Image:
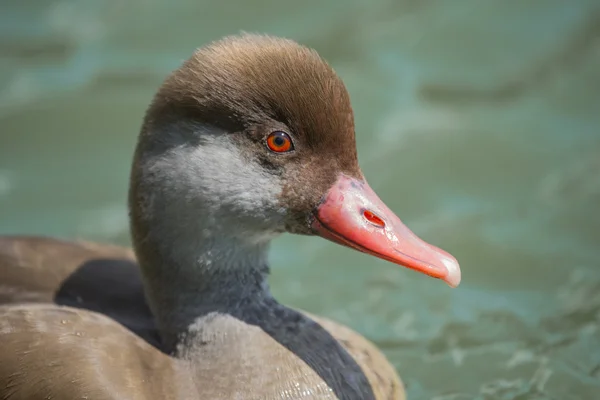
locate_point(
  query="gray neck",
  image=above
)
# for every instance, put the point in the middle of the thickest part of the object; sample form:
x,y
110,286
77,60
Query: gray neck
x,y
221,276
202,215
233,282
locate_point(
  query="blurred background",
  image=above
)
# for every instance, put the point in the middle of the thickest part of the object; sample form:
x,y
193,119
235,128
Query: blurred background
x,y
478,122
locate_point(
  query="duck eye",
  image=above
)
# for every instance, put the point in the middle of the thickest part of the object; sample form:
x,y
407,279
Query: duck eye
x,y
280,142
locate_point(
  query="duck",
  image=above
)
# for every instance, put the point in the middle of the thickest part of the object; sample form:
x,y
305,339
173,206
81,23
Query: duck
x,y
251,137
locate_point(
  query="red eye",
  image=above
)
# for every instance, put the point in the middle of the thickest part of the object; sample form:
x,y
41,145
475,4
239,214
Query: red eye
x,y
280,142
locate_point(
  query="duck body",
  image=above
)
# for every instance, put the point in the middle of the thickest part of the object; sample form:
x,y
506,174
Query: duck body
x,y
76,321
253,136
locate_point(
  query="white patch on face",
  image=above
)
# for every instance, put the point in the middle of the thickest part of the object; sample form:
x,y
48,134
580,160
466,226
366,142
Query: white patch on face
x,y
209,194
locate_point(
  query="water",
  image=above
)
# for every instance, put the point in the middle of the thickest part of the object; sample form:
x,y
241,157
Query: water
x,y
478,122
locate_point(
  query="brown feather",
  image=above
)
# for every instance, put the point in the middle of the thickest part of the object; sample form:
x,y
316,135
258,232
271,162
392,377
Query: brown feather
x,y
51,350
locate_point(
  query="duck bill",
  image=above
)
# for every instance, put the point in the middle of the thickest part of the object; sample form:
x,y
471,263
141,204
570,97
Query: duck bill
x,y
352,214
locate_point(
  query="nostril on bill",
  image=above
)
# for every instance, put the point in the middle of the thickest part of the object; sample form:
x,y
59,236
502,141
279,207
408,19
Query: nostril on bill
x,y
373,218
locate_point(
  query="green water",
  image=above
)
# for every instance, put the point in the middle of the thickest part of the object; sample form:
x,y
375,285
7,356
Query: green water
x,y
478,122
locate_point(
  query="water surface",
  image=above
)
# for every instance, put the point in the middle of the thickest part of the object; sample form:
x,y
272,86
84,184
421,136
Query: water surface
x,y
478,122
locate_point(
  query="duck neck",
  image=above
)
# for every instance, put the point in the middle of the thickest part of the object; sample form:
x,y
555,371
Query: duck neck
x,y
223,276
229,279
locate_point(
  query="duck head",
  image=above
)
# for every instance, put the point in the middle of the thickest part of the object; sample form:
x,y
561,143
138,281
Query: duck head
x,y
254,136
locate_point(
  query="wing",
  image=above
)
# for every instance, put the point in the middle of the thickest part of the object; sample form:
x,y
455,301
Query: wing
x,y
74,323
59,352
100,278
